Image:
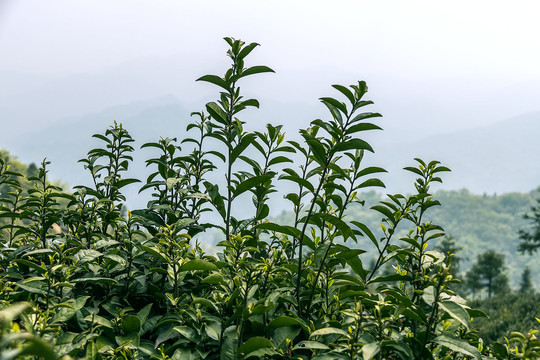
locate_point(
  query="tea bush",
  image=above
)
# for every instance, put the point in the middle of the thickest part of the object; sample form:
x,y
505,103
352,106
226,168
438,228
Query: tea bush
x,y
85,278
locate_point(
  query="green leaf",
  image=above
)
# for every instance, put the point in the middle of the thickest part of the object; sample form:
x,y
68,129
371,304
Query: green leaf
x,y
155,252
86,255
197,264
414,170
246,50
32,279
217,113
388,214
329,331
11,312
370,350
345,91
300,181
31,264
341,225
429,295
253,344
188,333
204,302
281,321
317,149
371,183
353,144
282,334
185,354
278,160
239,149
66,313
312,345
367,115
457,312
255,70
216,80
131,323
121,183
458,345
400,347
95,280
99,320
252,183
215,278
144,312
361,127
148,217
37,347
132,339
335,103
39,251
284,229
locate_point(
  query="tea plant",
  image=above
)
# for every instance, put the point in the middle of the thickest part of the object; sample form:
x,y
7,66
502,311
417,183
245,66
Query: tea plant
x,y
87,278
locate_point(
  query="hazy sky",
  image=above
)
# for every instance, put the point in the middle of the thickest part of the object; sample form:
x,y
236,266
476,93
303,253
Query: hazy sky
x,y
412,39
432,67
476,58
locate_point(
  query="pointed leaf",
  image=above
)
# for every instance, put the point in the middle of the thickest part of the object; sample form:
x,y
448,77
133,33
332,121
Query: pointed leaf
x,y
197,264
216,80
458,345
255,70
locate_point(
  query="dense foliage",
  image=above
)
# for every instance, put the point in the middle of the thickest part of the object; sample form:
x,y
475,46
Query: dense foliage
x,y
87,279
477,222
507,311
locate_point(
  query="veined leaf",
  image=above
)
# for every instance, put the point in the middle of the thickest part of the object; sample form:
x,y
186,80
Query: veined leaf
x,y
197,264
329,331
458,345
281,321
253,344
217,113
312,345
252,183
284,229
457,312
370,350
31,264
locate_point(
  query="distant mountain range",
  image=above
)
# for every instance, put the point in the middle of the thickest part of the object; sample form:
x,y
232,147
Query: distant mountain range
x,y
502,157
55,116
498,158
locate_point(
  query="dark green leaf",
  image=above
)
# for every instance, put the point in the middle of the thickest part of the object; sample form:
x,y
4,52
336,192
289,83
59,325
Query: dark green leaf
x,y
253,344
197,264
458,345
255,70
216,80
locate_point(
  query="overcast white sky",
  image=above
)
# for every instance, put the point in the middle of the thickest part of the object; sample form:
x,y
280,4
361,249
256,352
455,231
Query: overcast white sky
x,y
410,38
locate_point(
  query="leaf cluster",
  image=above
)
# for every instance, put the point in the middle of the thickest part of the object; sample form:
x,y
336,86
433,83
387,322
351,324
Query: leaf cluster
x,y
105,283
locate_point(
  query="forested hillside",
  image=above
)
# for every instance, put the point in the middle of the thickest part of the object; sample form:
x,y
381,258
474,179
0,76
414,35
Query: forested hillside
x,y
477,222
